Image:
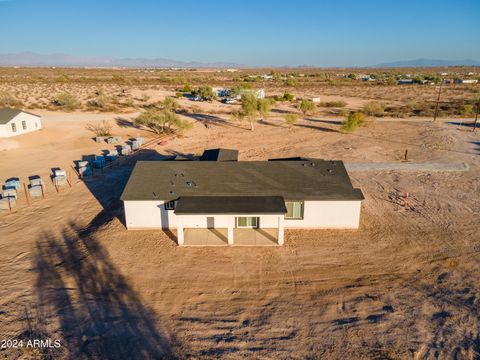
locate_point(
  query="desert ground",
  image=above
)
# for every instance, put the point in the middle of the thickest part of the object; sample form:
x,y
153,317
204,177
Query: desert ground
x,y
403,286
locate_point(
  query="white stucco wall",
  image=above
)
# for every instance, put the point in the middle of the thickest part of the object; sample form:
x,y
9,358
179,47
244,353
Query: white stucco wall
x,y
30,120
328,215
317,214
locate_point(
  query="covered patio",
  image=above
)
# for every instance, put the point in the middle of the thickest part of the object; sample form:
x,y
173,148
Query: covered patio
x,y
233,220
219,237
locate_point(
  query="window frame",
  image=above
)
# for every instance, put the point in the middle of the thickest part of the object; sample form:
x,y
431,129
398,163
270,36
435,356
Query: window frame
x,y
14,127
24,125
169,205
302,210
256,226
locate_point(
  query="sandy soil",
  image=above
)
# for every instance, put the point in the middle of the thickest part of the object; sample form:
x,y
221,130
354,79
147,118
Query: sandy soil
x,y
404,286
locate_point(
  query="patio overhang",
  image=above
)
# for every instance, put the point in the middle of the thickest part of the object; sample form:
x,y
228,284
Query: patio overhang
x,y
195,205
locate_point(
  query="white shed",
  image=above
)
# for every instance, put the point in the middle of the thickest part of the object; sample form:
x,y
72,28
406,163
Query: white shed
x,y
15,122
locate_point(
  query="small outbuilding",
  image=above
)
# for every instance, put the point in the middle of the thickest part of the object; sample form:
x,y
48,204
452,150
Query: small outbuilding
x,y
15,122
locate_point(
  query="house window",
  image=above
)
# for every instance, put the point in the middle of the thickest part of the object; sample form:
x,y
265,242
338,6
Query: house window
x,y
14,127
170,205
294,210
247,222
24,125
36,124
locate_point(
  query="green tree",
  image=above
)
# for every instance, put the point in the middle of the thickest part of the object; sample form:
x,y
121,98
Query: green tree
x,y
263,107
307,106
249,108
205,92
163,122
353,121
170,104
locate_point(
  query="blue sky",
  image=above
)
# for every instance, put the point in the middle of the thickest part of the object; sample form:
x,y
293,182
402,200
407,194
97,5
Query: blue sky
x,y
323,33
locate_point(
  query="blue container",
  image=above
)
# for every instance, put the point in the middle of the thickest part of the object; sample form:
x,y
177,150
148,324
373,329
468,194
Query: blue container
x,y
12,184
98,164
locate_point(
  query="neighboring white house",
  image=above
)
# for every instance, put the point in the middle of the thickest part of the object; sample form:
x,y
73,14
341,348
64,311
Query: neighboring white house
x,y
15,122
231,196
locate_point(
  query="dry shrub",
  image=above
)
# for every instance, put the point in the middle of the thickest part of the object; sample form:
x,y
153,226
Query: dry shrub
x,y
8,100
66,101
373,108
104,128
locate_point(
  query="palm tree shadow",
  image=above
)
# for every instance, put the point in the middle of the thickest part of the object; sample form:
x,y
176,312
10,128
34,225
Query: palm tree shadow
x,y
99,314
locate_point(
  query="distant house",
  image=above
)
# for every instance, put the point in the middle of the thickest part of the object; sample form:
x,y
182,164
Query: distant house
x,y
240,202
405,82
15,122
469,81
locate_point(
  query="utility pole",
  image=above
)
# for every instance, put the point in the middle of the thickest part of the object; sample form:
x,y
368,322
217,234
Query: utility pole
x,y
438,100
476,115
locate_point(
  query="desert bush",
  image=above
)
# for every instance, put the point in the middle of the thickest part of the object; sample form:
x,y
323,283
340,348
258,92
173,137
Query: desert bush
x,y
145,97
291,119
373,108
66,101
263,107
338,103
288,97
169,104
104,128
8,100
178,95
102,102
205,92
186,88
291,82
353,120
466,110
163,122
307,106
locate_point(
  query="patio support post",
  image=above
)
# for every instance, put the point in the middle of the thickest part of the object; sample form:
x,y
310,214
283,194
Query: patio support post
x,y
281,229
231,222
180,234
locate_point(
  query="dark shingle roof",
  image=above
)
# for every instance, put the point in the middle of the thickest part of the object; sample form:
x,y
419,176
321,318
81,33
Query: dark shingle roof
x,y
7,114
231,205
219,155
294,180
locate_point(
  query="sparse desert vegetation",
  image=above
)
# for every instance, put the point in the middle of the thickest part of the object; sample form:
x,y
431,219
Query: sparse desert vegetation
x,y
403,286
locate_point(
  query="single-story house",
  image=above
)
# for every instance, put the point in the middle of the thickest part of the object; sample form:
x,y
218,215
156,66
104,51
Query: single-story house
x,y
237,201
15,122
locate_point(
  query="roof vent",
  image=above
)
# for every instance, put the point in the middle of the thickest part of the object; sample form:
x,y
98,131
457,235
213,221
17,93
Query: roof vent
x,y
191,183
330,171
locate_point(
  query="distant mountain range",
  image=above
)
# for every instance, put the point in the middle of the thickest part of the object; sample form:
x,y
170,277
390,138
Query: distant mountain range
x,y
428,63
64,60
35,59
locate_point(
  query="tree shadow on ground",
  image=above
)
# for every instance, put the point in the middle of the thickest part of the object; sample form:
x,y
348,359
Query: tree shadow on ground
x,y
99,315
332,122
208,120
466,124
125,123
320,128
477,144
